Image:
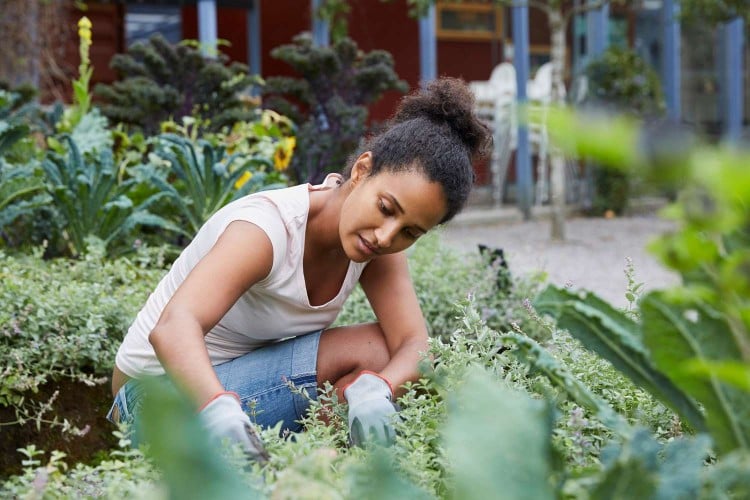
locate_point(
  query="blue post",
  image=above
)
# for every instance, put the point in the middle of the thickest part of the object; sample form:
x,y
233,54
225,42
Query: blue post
x,y
253,37
671,57
597,39
320,32
427,47
732,68
521,62
207,27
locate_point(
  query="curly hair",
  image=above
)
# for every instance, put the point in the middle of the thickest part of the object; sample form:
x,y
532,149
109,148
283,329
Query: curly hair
x,y
435,131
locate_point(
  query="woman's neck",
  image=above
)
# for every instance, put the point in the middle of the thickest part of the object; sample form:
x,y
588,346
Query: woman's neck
x,y
322,233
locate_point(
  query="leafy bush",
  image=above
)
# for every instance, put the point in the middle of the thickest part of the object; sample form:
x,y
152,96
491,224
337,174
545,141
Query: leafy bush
x,y
160,81
329,100
622,81
443,277
66,319
202,176
92,202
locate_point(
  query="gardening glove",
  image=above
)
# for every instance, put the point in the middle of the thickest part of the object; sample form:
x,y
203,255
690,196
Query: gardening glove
x,y
370,409
224,419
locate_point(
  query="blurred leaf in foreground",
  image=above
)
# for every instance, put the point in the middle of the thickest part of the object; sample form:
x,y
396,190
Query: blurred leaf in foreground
x,y
498,443
191,464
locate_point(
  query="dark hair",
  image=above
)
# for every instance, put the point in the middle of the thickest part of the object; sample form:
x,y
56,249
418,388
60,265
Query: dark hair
x,y
436,131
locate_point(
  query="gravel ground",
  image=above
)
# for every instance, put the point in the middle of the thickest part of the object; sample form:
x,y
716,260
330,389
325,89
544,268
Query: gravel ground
x,y
593,256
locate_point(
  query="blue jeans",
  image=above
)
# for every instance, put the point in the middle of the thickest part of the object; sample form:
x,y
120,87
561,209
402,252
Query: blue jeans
x,y
260,377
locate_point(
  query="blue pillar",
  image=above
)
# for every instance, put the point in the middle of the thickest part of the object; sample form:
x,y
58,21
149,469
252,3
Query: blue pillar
x,y
521,62
427,47
732,95
207,27
671,57
597,38
253,37
320,32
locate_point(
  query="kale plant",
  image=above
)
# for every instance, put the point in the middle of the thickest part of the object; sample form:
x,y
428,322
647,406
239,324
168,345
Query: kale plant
x,y
329,100
161,81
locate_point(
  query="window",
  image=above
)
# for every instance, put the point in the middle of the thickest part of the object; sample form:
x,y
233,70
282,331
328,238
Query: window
x,y
142,21
478,20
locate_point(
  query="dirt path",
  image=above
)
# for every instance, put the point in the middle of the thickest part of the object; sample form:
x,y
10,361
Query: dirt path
x,y
592,257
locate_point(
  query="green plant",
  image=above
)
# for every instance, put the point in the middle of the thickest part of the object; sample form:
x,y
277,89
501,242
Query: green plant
x,y
621,81
328,101
92,202
692,343
444,276
160,81
207,177
81,93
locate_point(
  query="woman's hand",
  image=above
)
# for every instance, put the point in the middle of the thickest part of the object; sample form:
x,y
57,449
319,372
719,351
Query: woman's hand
x,y
370,409
224,419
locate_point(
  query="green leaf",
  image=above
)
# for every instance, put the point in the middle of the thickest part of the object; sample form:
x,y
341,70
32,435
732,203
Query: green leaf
x,y
615,337
540,360
498,442
678,330
191,464
731,372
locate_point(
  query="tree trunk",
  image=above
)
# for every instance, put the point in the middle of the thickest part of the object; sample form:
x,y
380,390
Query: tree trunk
x,y
557,160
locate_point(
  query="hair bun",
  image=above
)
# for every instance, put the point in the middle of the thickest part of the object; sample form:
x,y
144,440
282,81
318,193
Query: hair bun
x,y
450,101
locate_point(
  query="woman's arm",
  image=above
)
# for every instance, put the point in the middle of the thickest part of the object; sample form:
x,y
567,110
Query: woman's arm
x,y
242,256
389,289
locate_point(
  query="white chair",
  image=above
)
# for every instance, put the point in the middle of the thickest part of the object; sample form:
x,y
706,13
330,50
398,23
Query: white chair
x,y
496,103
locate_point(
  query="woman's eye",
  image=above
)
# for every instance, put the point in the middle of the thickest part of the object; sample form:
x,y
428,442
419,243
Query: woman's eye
x,y
411,234
383,208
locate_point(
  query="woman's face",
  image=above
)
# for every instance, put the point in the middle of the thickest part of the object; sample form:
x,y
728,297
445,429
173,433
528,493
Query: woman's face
x,y
388,212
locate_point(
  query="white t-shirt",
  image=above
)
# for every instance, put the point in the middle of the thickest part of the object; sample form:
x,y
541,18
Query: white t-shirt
x,y
275,308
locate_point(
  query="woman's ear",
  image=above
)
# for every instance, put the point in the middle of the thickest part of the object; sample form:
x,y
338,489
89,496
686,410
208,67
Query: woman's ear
x,y
362,167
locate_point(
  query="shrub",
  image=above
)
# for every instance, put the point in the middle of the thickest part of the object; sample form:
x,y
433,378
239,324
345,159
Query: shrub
x,y
329,100
61,322
621,81
160,81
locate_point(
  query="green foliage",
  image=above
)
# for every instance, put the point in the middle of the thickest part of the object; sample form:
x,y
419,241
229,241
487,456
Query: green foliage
x,y
91,201
207,177
160,81
622,81
63,318
443,276
611,334
696,335
19,184
190,463
711,11
498,443
329,99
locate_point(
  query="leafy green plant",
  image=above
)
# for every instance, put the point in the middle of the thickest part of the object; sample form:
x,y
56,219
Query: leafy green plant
x,y
328,101
695,338
621,81
92,202
207,177
161,81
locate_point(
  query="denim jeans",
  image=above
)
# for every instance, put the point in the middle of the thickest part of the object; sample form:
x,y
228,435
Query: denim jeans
x,y
262,380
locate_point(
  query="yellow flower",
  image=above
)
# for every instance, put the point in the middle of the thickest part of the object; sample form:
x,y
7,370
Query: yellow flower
x,y
246,176
84,29
283,154
84,23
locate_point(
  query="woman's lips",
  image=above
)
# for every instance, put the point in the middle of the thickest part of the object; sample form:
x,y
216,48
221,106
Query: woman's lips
x,y
366,248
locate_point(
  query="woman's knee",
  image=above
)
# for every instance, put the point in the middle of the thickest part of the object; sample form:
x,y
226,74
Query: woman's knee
x,y
348,349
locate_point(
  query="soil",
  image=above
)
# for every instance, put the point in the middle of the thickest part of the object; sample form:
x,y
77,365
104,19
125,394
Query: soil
x,y
81,405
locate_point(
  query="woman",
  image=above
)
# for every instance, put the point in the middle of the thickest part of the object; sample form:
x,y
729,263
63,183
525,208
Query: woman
x,y
246,307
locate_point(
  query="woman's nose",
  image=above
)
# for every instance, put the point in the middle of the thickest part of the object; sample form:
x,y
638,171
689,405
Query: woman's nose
x,y
385,234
